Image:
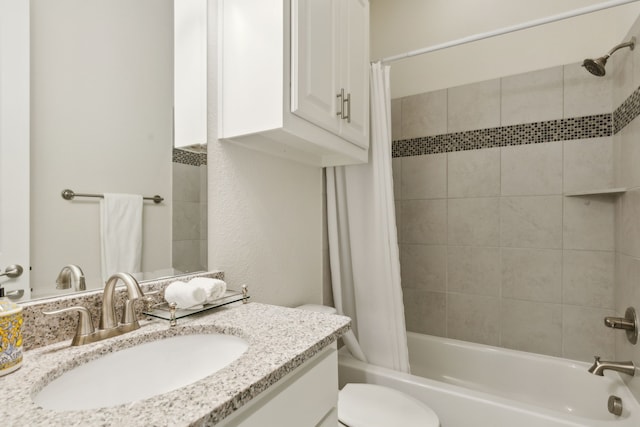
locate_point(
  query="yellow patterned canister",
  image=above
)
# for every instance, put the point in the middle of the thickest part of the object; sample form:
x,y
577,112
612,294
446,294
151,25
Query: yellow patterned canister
x,y
10,337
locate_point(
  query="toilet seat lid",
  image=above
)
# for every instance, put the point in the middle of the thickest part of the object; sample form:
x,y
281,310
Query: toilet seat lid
x,y
370,405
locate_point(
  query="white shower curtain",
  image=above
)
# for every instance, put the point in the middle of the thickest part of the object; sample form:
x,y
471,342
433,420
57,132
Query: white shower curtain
x,y
363,244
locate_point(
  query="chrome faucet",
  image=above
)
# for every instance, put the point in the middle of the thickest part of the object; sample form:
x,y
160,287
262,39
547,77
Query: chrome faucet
x,y
599,367
108,313
109,326
71,275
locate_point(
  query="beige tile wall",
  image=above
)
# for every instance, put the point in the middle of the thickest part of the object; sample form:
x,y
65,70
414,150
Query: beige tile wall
x,y
189,249
625,69
532,97
492,251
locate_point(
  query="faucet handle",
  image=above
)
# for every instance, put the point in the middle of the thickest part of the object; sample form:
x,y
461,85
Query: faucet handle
x,y
129,312
129,316
629,323
85,324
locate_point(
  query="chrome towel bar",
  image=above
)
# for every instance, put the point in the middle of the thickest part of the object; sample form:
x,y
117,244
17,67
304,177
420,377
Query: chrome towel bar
x,y
70,194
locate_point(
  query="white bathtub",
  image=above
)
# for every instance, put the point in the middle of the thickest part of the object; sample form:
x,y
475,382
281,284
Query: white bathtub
x,y
470,384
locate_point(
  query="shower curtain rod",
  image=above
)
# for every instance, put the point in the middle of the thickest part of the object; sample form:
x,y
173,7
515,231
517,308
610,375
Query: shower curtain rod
x,y
509,29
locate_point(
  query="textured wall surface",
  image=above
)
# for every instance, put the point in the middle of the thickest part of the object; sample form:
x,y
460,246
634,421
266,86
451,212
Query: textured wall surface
x,y
265,216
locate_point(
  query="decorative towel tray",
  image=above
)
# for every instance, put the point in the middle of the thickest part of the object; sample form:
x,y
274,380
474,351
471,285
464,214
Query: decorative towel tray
x,y
163,311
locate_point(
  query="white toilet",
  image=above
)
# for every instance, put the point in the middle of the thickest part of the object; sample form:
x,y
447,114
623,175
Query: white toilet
x,y
371,405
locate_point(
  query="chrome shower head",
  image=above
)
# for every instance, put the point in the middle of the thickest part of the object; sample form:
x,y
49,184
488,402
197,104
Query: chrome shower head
x,y
597,66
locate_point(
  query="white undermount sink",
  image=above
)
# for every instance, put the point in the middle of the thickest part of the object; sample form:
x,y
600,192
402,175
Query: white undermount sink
x,y
141,372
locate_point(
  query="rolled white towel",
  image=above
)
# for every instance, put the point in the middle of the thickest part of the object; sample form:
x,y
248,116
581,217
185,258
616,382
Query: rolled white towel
x,y
213,288
185,295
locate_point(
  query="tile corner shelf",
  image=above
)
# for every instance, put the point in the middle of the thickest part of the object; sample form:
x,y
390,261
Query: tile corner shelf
x,y
600,192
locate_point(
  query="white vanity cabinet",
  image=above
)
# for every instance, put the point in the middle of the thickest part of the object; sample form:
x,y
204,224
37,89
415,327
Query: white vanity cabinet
x,y
306,397
294,78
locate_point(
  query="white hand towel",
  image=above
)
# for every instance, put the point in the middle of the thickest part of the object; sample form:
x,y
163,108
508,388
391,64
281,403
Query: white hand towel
x,y
121,233
185,295
214,288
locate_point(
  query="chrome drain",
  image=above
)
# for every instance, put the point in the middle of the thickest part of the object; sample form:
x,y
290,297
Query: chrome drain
x,y
615,405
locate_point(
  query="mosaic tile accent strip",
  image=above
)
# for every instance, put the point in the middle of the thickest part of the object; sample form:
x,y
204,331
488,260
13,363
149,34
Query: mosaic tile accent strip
x,y
627,111
529,133
187,157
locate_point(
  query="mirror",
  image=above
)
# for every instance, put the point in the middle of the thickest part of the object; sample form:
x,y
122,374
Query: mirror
x,y
102,97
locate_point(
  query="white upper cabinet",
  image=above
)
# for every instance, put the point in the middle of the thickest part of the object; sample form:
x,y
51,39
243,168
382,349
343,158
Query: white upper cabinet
x,y
355,70
294,78
330,85
190,73
315,62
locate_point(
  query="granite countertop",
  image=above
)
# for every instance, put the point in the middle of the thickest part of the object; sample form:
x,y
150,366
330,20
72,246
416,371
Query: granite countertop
x,y
280,339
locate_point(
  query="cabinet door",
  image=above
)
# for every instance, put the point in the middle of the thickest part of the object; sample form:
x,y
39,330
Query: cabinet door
x,y
314,62
354,51
306,397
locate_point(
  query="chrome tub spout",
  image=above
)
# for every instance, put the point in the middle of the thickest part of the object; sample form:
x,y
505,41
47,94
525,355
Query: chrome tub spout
x,y
599,366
